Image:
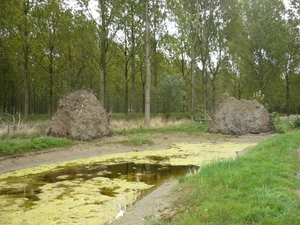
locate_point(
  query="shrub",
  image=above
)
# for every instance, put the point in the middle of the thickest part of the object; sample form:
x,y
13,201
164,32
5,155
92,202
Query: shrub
x,y
285,124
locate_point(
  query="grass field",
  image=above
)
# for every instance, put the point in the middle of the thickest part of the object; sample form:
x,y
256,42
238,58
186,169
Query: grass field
x,y
21,138
24,138
257,188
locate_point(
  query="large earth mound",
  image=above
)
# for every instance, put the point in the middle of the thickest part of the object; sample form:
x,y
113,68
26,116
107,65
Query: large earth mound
x,y
80,116
232,116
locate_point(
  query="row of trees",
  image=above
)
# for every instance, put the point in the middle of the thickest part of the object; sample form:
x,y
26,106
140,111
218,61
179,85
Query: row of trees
x,y
122,49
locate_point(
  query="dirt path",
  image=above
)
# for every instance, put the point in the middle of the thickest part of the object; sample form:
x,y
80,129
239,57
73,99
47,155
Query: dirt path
x,y
152,206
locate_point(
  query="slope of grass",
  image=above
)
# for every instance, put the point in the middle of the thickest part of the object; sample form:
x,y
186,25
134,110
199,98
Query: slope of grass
x,y
15,139
14,146
257,188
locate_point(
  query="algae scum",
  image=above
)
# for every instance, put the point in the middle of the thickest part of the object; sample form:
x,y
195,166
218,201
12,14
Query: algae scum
x,y
94,190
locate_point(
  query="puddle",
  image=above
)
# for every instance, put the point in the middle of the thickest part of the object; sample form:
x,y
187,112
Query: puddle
x,y
96,183
92,190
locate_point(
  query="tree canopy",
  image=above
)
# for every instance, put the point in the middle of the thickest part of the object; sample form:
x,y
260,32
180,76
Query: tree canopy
x,y
214,48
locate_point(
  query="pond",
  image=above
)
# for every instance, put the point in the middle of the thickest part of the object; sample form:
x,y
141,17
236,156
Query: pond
x,y
94,190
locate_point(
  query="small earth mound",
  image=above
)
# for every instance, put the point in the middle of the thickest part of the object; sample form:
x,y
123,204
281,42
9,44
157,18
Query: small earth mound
x,y
80,116
239,117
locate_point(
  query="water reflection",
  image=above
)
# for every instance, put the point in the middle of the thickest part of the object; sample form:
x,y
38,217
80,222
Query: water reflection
x,y
151,174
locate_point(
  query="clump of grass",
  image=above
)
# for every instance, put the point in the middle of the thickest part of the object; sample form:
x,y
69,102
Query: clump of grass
x,y
257,188
138,139
157,124
23,131
13,146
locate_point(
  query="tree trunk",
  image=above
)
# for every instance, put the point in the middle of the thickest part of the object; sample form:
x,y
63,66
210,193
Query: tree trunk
x,y
288,95
240,89
204,86
154,56
70,61
51,85
126,97
148,71
133,110
213,94
26,58
193,76
154,108
103,41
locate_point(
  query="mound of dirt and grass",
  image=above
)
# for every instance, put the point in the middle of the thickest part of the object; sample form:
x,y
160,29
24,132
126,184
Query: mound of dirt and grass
x,y
80,116
240,117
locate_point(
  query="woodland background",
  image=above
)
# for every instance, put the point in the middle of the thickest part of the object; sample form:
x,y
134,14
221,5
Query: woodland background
x,y
200,52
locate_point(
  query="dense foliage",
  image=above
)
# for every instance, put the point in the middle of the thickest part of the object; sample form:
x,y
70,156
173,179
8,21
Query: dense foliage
x,y
219,48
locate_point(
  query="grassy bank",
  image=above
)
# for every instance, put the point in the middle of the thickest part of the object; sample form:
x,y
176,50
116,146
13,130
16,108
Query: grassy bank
x,y
17,146
257,188
28,138
32,137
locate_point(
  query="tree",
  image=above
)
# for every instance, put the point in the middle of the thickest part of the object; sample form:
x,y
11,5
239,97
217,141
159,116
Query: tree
x,y
26,9
129,24
170,94
236,47
290,46
262,19
203,23
50,27
107,27
7,59
157,32
148,71
186,17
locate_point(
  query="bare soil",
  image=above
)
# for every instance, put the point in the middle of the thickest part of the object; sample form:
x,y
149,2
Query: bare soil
x,y
157,204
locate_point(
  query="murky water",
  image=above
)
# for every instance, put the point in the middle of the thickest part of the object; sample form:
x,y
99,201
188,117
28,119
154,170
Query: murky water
x,y
26,192
29,186
92,191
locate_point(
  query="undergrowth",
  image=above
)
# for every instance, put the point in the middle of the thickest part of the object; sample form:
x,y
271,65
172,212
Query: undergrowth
x,y
285,124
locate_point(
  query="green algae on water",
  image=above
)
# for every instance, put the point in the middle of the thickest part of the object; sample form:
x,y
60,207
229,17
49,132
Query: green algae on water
x,y
91,190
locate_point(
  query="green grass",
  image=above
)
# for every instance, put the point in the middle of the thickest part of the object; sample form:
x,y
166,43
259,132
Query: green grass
x,y
32,137
257,188
191,127
14,146
137,140
285,124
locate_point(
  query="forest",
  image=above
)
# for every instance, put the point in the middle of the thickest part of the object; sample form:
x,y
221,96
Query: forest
x,y
186,55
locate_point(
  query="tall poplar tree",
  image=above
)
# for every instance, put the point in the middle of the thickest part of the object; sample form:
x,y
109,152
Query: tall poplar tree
x,y
148,71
